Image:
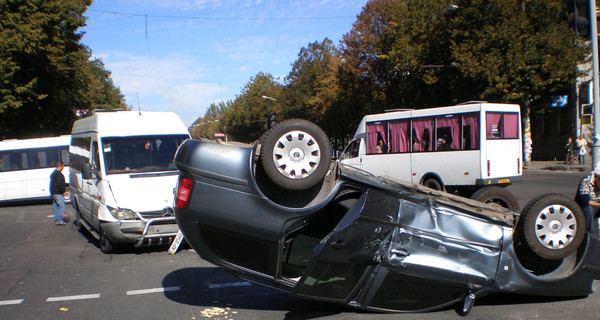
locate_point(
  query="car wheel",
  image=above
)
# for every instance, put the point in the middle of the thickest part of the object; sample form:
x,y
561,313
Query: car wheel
x,y
295,154
497,195
77,223
552,225
433,183
105,245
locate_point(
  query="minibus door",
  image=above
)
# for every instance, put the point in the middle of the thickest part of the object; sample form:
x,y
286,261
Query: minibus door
x,y
352,155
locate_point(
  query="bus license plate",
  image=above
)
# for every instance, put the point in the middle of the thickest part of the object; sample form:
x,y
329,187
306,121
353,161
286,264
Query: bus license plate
x,y
507,180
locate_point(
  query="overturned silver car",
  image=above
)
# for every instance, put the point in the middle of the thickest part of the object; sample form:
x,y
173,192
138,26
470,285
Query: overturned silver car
x,y
281,214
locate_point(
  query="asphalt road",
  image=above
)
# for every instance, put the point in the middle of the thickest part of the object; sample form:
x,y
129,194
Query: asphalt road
x,y
55,272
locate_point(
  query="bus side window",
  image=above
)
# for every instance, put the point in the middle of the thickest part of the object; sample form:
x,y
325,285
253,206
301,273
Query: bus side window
x,y
399,136
422,134
352,150
470,131
448,132
376,137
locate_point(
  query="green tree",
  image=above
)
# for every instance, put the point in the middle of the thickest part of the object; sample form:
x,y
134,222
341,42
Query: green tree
x,y
315,64
209,124
45,73
246,120
518,51
403,48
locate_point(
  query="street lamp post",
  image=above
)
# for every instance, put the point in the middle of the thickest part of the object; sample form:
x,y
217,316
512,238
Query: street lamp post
x,y
594,40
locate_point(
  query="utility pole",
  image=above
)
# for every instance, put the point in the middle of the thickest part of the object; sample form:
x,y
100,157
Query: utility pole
x,y
594,43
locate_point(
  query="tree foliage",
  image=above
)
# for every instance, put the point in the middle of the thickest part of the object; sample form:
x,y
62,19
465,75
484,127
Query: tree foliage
x,y
419,54
246,120
518,51
45,73
209,124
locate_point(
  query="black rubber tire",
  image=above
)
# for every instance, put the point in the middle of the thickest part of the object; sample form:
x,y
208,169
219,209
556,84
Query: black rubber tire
x,y
285,145
497,195
538,221
433,183
105,245
77,223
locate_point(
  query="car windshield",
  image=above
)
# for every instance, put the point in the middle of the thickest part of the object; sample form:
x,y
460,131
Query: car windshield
x,y
140,154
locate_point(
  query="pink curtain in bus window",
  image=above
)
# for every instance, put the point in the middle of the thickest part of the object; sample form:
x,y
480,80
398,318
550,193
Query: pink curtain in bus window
x,y
399,136
374,130
492,120
472,120
511,125
453,123
420,125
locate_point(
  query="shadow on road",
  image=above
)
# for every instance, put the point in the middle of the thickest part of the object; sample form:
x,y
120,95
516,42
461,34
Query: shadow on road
x,y
213,287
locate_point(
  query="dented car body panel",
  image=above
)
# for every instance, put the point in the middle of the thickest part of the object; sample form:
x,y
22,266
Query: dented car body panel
x,y
369,242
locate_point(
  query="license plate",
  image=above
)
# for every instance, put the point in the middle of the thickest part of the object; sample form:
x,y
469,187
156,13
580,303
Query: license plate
x,y
507,180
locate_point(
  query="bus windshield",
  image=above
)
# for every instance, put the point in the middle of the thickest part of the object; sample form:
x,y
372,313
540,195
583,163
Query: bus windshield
x,y
141,153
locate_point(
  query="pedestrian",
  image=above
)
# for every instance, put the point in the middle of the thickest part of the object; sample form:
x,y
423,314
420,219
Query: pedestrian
x,y
568,150
58,190
588,198
581,144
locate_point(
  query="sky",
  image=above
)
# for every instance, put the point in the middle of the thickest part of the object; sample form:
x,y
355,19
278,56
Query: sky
x,y
183,55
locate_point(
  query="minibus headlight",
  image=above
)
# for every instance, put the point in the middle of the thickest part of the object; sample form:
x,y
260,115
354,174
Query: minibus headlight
x,y
123,214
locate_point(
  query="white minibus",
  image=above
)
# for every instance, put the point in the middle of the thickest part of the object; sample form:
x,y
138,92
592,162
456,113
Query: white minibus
x,y
26,166
123,176
461,148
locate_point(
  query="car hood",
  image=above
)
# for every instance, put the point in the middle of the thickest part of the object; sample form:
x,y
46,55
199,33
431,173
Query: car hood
x,y
144,192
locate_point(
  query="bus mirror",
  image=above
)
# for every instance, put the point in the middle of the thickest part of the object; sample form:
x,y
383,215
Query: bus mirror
x,y
86,171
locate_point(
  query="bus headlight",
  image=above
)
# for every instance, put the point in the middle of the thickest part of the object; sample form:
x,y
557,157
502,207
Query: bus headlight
x,y
123,214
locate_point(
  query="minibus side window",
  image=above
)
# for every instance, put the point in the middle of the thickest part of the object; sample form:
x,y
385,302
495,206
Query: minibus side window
x,y
377,137
470,131
399,136
422,134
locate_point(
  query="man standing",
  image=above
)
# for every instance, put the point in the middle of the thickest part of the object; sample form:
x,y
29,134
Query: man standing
x,y
588,198
58,192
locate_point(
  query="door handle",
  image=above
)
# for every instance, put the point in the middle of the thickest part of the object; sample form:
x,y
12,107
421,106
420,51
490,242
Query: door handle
x,y
338,244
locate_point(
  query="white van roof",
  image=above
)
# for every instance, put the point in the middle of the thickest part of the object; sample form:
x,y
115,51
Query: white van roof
x,y
130,123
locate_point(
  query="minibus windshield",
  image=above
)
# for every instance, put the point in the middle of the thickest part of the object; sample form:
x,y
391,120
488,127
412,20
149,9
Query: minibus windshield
x,y
140,153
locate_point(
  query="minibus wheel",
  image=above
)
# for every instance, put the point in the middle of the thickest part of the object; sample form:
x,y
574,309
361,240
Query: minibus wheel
x,y
497,195
552,226
105,245
295,154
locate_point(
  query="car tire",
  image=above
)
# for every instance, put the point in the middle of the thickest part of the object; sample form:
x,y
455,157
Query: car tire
x,y
552,225
497,195
295,154
433,183
77,223
105,245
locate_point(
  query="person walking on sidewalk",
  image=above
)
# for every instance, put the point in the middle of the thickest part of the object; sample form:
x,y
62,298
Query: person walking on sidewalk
x,y
58,190
568,150
581,144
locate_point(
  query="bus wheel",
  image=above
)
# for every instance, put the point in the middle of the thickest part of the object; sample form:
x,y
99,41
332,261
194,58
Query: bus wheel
x,y
552,225
295,154
77,223
105,245
497,195
433,183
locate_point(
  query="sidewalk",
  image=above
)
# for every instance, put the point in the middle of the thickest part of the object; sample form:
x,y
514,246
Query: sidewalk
x,y
558,166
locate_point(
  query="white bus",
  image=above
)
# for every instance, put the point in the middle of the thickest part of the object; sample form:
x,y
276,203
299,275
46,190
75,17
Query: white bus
x,y
459,148
26,166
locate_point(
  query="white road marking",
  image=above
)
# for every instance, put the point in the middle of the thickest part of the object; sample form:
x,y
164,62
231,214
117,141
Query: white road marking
x,y
9,302
153,290
229,285
79,297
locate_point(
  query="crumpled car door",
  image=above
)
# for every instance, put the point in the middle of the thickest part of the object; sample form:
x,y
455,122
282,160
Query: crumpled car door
x,y
403,252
